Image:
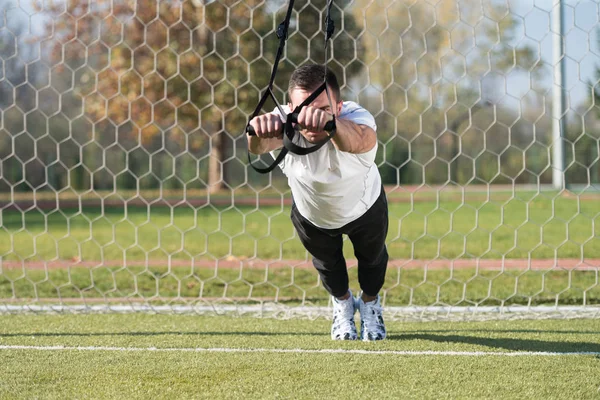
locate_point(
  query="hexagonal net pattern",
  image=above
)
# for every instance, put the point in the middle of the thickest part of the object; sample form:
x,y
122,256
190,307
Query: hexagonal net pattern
x,y
124,183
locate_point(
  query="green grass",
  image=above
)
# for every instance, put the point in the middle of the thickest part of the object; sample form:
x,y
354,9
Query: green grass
x,y
61,374
524,225
462,287
520,226
540,226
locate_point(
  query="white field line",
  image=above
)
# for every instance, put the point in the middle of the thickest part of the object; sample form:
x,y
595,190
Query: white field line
x,y
272,307
302,351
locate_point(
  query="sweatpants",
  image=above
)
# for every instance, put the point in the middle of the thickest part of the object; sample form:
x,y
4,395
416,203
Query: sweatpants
x,y
367,234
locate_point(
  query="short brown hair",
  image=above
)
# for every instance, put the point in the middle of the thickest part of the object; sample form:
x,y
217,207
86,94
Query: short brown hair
x,y
311,76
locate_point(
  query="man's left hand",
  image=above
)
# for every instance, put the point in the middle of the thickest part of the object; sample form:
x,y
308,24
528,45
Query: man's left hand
x,y
313,119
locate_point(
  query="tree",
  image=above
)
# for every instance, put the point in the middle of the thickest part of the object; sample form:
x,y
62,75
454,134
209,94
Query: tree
x,y
428,65
167,77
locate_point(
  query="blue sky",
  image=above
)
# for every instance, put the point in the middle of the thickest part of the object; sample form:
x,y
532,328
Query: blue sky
x,y
581,23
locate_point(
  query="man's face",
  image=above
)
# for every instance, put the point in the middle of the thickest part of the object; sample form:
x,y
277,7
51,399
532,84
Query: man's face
x,y
297,96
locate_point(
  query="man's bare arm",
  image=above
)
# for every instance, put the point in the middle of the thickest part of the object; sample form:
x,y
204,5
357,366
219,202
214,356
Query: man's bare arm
x,y
349,136
258,145
353,138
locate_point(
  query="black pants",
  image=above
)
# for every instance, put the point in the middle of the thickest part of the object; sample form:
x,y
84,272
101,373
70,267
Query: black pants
x,y
367,235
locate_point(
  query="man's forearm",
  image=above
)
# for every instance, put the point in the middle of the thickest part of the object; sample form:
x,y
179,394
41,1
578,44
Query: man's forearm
x,y
353,138
257,145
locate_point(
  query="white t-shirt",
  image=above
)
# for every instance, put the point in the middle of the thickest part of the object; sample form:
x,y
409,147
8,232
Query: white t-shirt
x,y
330,187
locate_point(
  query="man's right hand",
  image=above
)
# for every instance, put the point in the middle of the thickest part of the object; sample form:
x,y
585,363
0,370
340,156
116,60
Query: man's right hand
x,y
267,126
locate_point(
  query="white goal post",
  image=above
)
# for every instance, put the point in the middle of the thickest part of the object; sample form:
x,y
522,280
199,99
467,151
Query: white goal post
x,y
124,182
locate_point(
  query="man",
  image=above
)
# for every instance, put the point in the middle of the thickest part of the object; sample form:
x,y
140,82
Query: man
x,y
336,190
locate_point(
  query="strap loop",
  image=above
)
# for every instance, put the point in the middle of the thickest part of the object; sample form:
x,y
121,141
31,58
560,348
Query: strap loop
x,y
282,30
329,27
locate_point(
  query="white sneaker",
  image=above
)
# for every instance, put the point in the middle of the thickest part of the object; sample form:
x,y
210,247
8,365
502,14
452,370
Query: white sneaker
x,y
343,326
372,326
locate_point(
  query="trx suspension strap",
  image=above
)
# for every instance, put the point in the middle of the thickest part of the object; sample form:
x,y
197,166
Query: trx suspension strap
x,y
289,130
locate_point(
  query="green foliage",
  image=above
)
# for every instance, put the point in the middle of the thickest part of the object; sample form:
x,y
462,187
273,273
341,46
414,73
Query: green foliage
x,y
148,94
160,82
435,71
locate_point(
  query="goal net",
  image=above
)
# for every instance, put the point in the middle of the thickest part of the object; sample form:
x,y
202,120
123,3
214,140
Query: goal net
x,y
124,182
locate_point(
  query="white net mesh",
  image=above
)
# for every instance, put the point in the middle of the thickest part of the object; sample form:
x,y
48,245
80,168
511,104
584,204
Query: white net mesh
x,y
124,183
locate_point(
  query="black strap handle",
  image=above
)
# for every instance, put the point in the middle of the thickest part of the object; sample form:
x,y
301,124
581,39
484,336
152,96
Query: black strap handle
x,y
329,126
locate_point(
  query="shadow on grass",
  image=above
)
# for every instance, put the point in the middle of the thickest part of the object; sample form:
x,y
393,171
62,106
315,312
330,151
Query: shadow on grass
x,y
513,344
555,331
173,333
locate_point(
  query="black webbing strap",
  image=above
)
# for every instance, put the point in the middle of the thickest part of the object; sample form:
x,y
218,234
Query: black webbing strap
x,y
289,130
282,34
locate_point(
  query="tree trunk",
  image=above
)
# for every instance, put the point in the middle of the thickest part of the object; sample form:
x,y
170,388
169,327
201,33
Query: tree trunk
x,y
217,149
215,164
